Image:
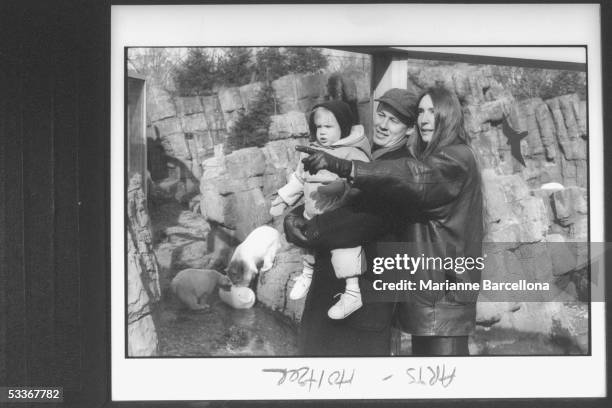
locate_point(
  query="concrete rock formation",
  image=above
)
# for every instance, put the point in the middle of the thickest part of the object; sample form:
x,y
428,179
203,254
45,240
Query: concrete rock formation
x,y
143,289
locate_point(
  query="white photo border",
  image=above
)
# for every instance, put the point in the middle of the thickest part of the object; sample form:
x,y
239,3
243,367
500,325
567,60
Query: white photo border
x,y
415,25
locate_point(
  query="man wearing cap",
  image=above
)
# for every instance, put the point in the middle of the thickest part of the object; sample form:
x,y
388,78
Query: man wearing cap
x,y
368,330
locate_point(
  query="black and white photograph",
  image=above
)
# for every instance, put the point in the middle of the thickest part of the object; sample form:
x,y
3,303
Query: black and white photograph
x,y
327,213
214,173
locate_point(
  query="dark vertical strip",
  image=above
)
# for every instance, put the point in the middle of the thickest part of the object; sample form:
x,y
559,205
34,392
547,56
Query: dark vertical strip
x,y
93,185
12,140
39,205
4,84
65,222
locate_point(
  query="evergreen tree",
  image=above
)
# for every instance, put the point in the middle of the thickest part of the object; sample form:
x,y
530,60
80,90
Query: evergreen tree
x,y
270,64
251,129
235,67
305,60
197,74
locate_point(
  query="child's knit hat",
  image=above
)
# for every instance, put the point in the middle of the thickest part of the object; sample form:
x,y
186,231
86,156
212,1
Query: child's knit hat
x,y
342,112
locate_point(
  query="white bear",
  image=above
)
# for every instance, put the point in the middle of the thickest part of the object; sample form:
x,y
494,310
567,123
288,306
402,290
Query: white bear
x,y
256,253
192,286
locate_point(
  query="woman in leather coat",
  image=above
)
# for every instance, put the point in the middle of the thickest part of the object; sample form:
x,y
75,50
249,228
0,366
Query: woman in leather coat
x,y
431,198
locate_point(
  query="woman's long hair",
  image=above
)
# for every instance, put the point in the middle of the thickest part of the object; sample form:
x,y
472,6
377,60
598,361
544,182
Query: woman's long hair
x,y
449,130
449,126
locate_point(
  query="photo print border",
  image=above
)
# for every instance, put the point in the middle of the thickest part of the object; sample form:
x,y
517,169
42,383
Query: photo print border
x,y
276,358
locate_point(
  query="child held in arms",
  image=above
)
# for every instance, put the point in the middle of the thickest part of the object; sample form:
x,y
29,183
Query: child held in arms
x,y
334,130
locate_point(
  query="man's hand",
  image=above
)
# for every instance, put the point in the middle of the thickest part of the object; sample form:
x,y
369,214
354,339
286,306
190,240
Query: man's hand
x,y
319,160
336,188
294,224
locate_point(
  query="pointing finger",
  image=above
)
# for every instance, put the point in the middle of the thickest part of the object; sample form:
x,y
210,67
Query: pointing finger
x,y
305,149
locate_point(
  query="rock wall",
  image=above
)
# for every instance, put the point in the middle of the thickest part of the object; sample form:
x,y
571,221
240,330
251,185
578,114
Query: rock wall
x,y
143,289
142,336
189,128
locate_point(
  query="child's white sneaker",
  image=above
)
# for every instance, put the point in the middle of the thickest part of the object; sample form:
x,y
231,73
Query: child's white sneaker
x,y
349,302
300,287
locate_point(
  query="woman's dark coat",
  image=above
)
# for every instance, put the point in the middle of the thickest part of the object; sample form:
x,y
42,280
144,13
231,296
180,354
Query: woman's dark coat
x,y
443,218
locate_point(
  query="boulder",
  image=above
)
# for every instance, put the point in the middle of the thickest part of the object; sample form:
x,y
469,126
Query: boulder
x,y
188,105
249,94
561,322
274,179
189,255
568,203
231,106
291,124
310,90
159,104
281,154
564,110
212,205
247,210
281,161
528,120
274,285
569,105
190,225
512,213
285,90
241,211
488,312
564,259
194,123
546,127
142,336
574,172
228,185
432,75
163,254
582,118
213,167
169,126
213,112
579,229
536,328
247,162
230,99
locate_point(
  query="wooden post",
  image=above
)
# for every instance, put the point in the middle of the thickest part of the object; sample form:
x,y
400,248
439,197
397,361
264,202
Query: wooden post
x,y
388,72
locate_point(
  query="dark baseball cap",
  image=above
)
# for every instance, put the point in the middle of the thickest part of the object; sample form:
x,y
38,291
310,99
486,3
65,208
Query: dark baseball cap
x,y
403,103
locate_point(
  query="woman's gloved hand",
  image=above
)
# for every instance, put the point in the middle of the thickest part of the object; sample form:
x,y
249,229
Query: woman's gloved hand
x,y
319,160
294,225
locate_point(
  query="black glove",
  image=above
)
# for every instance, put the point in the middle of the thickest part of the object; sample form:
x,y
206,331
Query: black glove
x,y
294,224
319,160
